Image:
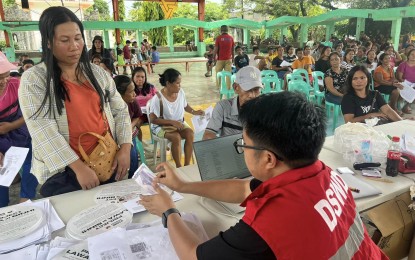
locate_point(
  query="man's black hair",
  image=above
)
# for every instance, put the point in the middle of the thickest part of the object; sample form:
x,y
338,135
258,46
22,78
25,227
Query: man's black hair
x,y
286,124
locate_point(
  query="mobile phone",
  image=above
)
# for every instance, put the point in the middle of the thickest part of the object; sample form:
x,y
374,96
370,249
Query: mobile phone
x,y
345,170
371,172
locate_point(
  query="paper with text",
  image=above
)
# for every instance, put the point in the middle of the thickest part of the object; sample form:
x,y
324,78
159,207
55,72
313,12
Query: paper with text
x,y
200,122
408,91
13,161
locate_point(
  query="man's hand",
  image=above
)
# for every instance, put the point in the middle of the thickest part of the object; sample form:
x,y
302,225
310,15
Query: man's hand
x,y
177,124
199,112
122,161
158,203
5,127
167,176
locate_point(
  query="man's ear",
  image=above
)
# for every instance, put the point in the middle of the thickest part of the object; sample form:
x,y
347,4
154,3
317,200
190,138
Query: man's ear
x,y
236,88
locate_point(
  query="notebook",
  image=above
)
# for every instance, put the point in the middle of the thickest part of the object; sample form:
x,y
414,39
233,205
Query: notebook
x,y
366,190
218,160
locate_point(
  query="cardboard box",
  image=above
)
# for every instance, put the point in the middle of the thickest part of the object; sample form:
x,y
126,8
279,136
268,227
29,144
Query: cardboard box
x,y
395,226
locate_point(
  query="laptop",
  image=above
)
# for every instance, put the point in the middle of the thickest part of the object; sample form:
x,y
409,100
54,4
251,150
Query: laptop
x,y
218,160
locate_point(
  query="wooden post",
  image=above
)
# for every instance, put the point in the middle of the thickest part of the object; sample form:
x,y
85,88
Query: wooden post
x,y
201,16
116,18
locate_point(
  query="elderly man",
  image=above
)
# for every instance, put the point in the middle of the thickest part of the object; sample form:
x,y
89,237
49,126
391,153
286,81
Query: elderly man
x,y
225,116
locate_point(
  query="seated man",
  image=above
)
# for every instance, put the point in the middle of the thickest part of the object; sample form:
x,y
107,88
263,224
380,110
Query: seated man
x,y
296,206
225,116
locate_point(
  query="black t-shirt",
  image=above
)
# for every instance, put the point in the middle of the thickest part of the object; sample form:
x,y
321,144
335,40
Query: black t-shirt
x,y
352,104
238,242
322,65
241,61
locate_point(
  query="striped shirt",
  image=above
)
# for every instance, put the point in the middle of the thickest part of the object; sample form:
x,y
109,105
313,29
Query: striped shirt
x,y
50,136
225,118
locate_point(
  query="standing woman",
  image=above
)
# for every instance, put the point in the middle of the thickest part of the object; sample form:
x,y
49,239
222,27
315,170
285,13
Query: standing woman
x,y
334,80
171,124
385,81
360,103
63,97
98,48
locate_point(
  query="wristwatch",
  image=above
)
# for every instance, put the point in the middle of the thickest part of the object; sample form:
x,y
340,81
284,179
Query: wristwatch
x,y
166,214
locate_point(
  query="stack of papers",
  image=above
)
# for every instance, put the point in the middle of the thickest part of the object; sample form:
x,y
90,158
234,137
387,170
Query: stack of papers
x,y
13,161
96,220
144,178
63,248
150,241
27,224
200,122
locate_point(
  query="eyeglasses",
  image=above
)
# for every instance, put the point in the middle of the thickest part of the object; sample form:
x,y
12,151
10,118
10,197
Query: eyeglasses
x,y
239,145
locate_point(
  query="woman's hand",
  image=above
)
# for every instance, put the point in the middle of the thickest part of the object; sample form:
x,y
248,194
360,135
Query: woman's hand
x,y
122,161
86,177
398,85
5,127
177,124
158,203
167,176
378,114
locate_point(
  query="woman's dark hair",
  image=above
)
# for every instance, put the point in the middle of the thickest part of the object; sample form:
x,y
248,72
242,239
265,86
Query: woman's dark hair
x,y
93,48
122,82
349,81
333,54
347,52
169,75
367,57
409,53
96,56
288,48
108,63
381,57
324,50
50,18
146,86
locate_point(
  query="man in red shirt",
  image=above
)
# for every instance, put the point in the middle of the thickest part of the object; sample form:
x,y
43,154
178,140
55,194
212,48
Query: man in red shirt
x,y
296,206
127,55
223,53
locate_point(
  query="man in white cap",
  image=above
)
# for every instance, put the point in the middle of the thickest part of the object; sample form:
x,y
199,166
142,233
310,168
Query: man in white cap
x,y
225,116
13,131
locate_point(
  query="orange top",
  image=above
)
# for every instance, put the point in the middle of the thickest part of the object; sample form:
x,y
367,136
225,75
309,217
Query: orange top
x,y
387,75
84,115
299,64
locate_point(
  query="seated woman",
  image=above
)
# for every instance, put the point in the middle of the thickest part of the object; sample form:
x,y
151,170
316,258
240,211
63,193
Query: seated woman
x,y
64,97
334,80
406,71
13,131
348,60
323,64
371,61
394,56
170,124
385,81
144,91
126,89
360,103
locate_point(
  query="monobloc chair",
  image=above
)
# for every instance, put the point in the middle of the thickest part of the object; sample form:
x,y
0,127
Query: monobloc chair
x,y
269,74
222,77
319,95
336,111
303,73
300,86
140,149
157,140
271,85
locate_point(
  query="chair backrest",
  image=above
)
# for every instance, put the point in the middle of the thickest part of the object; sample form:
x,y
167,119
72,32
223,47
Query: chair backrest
x,y
372,81
318,79
300,86
303,73
269,74
221,75
271,85
291,76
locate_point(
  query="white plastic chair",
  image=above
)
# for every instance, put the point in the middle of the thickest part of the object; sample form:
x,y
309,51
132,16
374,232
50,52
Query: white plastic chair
x,y
162,141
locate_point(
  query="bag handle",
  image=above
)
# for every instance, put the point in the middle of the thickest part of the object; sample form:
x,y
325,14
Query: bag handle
x,y
101,141
373,101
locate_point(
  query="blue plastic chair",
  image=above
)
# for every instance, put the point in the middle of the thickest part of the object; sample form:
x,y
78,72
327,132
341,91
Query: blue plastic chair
x,y
319,95
300,86
222,75
271,85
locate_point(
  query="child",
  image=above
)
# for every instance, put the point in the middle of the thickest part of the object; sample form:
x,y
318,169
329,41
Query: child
x,y
155,57
96,59
134,59
120,59
209,63
126,89
241,59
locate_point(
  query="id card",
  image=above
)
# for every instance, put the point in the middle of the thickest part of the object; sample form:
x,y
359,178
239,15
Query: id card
x,y
371,173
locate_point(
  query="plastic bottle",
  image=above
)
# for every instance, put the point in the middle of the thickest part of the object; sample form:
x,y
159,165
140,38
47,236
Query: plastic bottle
x,y
394,156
